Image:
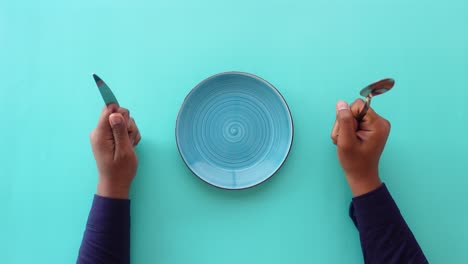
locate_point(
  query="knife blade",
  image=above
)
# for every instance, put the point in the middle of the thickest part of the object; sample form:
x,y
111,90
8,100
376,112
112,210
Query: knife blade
x,y
106,93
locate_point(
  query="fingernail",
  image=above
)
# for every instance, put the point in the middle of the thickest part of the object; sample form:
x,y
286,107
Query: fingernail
x,y
115,119
342,105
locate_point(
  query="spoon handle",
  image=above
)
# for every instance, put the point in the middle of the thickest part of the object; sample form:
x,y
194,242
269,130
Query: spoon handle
x,y
364,110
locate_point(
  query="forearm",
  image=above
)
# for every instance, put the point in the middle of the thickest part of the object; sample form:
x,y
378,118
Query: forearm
x,y
385,236
107,235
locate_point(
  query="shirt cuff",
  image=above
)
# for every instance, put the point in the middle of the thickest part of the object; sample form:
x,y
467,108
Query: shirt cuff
x,y
374,208
109,214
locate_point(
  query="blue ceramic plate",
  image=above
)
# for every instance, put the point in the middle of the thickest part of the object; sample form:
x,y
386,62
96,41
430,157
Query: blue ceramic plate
x,y
234,130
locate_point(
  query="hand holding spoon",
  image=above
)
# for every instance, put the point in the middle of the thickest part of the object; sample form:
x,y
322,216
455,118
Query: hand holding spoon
x,y
368,92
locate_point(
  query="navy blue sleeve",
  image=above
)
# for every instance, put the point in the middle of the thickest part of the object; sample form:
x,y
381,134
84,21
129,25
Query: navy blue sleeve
x,y
385,236
107,235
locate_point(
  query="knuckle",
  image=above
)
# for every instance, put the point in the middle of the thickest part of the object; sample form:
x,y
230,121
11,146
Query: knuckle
x,y
385,125
132,126
92,136
358,101
334,140
95,138
344,146
388,125
124,111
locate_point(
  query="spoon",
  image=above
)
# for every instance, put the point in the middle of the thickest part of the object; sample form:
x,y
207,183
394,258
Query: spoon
x,y
372,90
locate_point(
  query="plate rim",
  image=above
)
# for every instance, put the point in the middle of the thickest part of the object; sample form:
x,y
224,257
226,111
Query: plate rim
x,y
244,74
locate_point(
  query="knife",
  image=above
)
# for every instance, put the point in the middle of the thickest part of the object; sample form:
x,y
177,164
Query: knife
x,y
106,93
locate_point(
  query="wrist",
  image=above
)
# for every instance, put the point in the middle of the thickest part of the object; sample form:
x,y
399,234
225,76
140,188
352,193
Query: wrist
x,y
363,183
112,190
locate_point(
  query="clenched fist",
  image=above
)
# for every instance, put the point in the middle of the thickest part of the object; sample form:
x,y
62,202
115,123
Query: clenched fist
x,y
359,145
113,142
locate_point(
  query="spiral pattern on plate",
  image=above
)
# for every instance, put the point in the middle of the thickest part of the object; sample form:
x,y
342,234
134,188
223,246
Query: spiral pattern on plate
x,y
234,130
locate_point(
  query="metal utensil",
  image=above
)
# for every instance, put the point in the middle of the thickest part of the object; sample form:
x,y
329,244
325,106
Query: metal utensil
x,y
106,93
372,90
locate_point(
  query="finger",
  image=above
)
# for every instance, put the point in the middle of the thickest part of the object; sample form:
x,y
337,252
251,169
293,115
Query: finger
x,y
103,122
113,107
371,115
137,139
103,117
357,106
370,121
121,137
376,124
348,124
334,133
126,114
132,130
336,127
131,125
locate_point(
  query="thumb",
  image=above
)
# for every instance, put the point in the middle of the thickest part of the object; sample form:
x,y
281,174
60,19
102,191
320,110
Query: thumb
x,y
347,123
119,129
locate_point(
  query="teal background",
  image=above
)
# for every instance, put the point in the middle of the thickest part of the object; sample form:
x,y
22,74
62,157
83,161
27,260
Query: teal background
x,y
151,53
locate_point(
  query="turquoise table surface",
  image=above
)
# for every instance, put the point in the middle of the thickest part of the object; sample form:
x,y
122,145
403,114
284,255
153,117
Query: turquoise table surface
x,y
151,53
